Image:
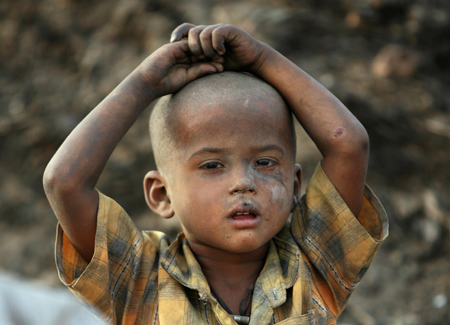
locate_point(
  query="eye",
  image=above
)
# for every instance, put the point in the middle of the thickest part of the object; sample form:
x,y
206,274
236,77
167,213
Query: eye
x,y
265,162
211,165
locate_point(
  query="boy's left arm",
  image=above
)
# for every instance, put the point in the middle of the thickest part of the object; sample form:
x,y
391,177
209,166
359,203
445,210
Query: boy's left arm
x,y
339,136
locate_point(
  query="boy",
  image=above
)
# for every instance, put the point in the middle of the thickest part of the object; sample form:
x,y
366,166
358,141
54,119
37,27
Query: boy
x,y
224,147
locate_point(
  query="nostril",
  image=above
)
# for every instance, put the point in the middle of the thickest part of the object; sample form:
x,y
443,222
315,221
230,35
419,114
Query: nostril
x,y
236,192
251,189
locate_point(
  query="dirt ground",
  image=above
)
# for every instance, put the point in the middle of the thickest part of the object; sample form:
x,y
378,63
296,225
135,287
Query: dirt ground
x,y
387,60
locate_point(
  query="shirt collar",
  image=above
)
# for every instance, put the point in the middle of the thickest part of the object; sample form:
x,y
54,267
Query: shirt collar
x,y
179,261
281,268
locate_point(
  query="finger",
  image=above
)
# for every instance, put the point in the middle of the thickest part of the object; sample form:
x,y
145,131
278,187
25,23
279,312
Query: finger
x,y
181,32
218,38
202,69
206,41
203,59
217,65
183,45
218,59
194,41
181,51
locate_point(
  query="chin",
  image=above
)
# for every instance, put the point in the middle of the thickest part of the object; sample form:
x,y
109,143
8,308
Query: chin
x,y
245,247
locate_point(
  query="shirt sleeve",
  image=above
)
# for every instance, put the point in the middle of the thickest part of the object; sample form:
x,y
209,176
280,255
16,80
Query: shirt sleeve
x,y
338,246
125,261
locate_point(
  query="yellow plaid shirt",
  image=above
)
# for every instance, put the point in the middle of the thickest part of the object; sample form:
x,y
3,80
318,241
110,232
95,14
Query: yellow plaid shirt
x,y
312,267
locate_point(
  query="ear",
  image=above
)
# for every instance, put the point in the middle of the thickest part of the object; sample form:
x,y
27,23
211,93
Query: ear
x,y
155,189
297,180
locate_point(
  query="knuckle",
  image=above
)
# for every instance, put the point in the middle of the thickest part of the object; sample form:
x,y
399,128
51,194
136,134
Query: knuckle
x,y
220,29
195,31
217,32
185,24
204,36
199,27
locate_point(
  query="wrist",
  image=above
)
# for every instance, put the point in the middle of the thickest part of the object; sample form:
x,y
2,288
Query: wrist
x,y
262,60
144,84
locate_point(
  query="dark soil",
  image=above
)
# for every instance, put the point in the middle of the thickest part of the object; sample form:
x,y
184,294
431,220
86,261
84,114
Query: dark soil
x,y
387,60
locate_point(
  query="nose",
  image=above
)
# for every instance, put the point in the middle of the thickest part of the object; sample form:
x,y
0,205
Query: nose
x,y
243,182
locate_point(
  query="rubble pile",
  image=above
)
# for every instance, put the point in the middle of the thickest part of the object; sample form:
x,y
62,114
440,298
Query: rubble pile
x,y
387,60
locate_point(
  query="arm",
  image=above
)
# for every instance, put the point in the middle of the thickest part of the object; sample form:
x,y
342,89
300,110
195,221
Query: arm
x,y
340,137
71,175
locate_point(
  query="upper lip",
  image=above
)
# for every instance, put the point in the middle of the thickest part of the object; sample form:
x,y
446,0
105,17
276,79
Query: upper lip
x,y
243,210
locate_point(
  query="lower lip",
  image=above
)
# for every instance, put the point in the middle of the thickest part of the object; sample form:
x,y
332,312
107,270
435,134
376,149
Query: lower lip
x,y
245,221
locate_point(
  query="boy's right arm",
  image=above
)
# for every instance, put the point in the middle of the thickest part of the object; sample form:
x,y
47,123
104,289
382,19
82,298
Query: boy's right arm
x,y
71,175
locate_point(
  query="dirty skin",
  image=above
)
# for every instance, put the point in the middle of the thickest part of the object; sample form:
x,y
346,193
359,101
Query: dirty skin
x,y
278,191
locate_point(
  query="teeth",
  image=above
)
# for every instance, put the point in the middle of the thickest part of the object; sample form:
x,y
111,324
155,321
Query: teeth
x,y
241,213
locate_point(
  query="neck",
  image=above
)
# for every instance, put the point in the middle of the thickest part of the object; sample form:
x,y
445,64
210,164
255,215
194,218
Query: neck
x,y
228,267
230,274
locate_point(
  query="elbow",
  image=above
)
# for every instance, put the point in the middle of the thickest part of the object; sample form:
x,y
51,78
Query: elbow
x,y
51,181
56,183
351,142
360,142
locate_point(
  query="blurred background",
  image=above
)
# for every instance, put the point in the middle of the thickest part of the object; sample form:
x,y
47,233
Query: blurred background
x,y
387,60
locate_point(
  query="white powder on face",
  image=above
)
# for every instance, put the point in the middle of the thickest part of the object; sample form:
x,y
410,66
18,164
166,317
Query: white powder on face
x,y
278,193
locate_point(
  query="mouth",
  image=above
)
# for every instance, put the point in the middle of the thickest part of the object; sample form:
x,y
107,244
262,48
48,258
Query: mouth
x,y
242,214
244,217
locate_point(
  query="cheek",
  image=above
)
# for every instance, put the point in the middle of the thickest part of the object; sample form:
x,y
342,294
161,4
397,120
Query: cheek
x,y
276,186
279,195
198,200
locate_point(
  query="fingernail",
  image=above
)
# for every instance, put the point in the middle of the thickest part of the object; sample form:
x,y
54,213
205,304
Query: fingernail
x,y
172,38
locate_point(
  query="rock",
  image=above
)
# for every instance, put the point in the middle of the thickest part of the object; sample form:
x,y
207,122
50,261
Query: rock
x,y
440,301
395,61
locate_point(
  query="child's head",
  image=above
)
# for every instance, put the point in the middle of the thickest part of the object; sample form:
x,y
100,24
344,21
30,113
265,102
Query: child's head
x,y
225,148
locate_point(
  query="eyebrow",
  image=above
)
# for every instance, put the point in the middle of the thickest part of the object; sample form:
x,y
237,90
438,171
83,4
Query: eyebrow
x,y
271,147
209,150
213,150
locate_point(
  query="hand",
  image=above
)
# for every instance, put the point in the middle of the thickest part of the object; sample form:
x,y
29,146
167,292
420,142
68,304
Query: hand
x,y
172,66
238,50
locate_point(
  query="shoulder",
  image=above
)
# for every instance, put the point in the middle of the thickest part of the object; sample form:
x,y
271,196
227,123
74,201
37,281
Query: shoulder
x,y
323,204
119,244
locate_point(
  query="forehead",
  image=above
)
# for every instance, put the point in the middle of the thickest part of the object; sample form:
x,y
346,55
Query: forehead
x,y
230,111
246,112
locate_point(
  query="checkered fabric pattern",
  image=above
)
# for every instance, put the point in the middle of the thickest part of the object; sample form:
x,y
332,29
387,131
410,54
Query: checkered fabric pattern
x,y
312,267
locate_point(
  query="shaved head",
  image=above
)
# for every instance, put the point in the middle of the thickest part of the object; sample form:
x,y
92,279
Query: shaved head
x,y
238,89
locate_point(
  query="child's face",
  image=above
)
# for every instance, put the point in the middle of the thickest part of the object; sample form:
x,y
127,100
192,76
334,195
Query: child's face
x,y
233,176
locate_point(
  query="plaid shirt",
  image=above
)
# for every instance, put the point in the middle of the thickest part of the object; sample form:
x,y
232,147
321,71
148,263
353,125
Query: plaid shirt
x,y
311,269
